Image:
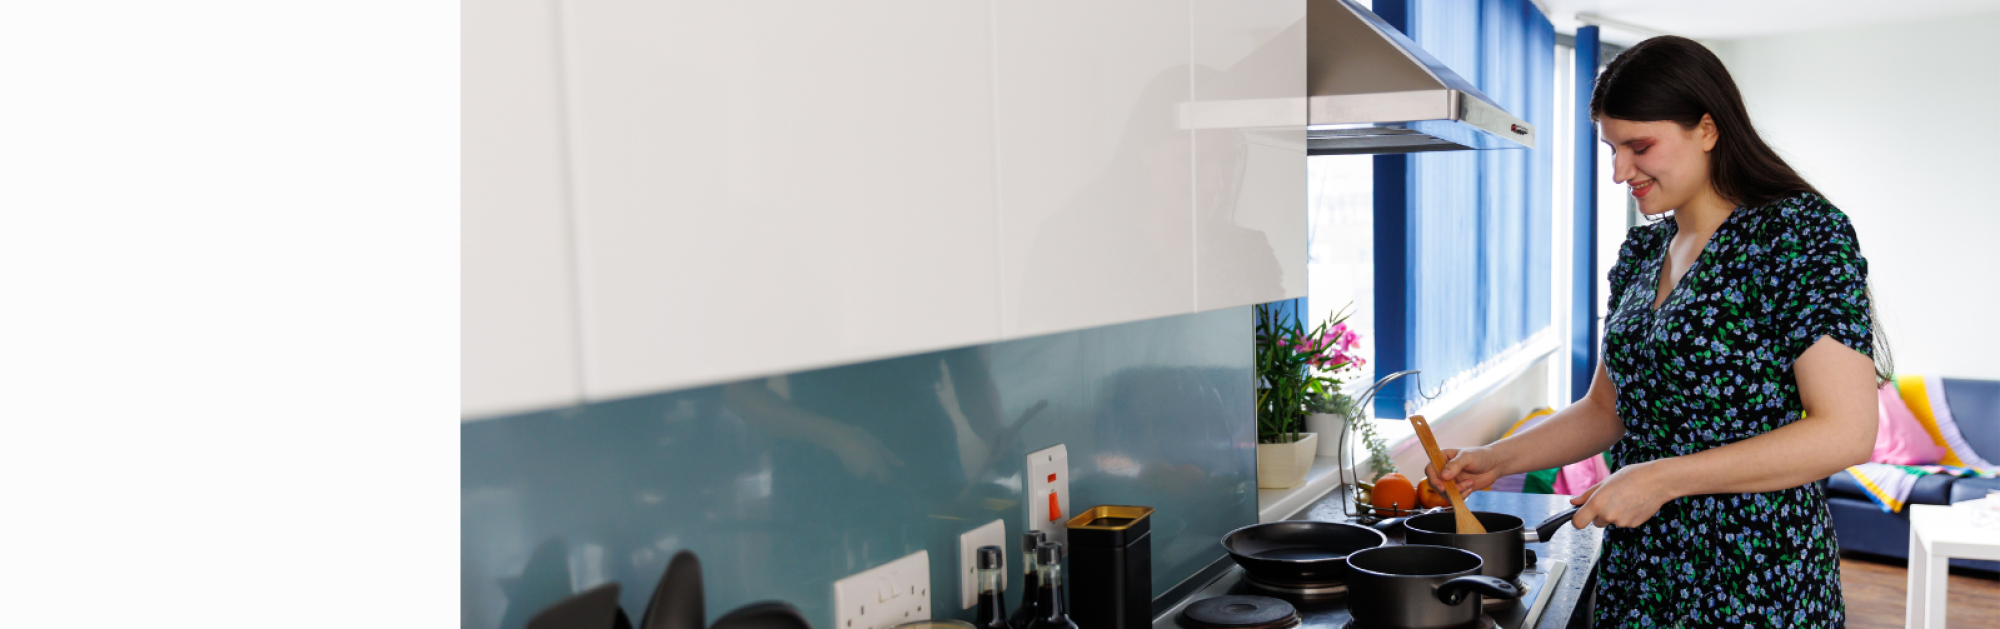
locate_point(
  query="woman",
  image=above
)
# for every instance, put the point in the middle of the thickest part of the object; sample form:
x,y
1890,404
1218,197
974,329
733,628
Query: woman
x,y
1739,366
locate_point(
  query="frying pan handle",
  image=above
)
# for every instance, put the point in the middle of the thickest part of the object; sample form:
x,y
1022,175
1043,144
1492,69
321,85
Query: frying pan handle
x,y
1548,528
1454,591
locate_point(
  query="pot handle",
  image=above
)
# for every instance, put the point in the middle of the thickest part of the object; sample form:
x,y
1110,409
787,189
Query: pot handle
x,y
1389,525
1454,591
1548,528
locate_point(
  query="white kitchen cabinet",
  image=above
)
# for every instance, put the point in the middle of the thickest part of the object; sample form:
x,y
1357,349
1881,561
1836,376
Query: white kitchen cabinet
x,y
518,333
771,187
1095,168
668,195
1250,157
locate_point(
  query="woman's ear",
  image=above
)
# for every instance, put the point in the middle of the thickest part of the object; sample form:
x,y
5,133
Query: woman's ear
x,y
1706,128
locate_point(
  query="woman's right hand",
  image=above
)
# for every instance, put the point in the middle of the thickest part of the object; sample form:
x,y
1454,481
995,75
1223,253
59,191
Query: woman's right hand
x,y
1472,469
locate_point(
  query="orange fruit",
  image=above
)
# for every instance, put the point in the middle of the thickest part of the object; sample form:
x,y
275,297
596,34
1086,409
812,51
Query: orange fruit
x,y
1430,496
1394,491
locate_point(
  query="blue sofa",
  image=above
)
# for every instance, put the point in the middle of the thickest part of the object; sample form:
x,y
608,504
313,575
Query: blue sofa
x,y
1862,527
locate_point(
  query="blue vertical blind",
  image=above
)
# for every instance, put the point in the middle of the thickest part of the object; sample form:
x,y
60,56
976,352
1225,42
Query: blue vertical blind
x,y
1583,273
1462,249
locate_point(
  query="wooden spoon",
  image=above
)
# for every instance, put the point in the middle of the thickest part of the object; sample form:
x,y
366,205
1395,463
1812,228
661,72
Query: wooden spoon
x,y
1467,523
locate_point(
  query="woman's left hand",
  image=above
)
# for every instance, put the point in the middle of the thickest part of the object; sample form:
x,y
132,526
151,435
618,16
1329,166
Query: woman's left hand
x,y
1627,499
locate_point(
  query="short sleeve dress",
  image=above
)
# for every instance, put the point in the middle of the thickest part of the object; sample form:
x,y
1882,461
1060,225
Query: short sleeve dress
x,y
1712,366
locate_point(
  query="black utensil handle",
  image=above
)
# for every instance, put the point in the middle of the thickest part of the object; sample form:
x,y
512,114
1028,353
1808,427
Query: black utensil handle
x,y
1453,592
1549,527
677,601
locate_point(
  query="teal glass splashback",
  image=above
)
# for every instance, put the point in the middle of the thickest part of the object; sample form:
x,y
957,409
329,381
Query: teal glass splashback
x,y
783,485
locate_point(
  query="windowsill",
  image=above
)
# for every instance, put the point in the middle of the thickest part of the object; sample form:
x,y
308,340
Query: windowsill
x,y
1281,504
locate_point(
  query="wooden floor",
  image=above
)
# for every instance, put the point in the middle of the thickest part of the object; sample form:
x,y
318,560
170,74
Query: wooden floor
x,y
1875,589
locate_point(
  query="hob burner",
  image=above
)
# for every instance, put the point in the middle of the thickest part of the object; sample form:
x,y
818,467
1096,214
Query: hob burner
x,y
1308,591
1484,622
1240,612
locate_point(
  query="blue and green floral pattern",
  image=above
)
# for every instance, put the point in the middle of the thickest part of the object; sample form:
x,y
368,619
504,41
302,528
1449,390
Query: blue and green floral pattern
x,y
1712,366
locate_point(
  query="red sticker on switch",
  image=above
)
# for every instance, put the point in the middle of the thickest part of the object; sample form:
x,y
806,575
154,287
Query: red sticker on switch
x,y
1052,478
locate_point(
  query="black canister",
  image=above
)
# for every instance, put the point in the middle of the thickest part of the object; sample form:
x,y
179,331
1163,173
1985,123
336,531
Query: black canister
x,y
1111,567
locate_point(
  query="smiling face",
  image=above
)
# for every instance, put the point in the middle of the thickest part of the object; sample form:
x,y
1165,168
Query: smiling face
x,y
1664,165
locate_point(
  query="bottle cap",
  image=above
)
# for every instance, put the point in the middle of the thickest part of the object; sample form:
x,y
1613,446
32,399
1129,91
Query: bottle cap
x,y
1031,539
989,557
1049,553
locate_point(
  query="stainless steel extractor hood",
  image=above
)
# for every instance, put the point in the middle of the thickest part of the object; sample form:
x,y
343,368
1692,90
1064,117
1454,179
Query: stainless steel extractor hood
x,y
1372,90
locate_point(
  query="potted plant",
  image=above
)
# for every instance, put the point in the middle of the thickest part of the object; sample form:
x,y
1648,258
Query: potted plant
x,y
1330,414
1298,373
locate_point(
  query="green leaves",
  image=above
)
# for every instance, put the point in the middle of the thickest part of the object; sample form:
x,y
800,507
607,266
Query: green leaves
x,y
1288,384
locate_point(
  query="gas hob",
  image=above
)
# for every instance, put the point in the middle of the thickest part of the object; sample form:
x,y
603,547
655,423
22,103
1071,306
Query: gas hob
x,y
1326,608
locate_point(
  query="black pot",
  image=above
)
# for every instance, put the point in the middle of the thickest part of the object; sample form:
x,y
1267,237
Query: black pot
x,y
1502,546
1419,587
1299,553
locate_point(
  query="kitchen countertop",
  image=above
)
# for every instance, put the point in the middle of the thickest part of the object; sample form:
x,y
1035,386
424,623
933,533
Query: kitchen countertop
x,y
1578,549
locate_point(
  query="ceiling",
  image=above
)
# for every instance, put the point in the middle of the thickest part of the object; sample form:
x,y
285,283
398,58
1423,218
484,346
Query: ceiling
x,y
1628,21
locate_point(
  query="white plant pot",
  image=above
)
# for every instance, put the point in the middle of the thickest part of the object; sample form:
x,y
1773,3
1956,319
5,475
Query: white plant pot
x,y
1331,425
1284,465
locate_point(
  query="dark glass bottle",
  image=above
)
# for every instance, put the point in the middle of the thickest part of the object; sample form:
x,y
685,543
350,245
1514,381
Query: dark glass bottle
x,y
1026,612
992,603
1048,570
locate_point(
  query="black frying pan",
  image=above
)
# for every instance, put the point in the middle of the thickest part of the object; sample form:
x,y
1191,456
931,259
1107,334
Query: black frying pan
x,y
1299,553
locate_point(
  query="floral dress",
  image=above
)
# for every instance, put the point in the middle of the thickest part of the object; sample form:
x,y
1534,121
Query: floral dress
x,y
1712,366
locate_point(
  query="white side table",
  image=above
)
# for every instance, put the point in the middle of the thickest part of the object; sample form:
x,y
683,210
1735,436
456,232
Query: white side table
x,y
1937,534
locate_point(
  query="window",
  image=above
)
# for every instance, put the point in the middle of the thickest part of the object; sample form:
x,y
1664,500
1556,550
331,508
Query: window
x,y
1340,249
1463,240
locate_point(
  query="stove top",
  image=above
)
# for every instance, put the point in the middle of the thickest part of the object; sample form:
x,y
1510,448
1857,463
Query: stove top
x,y
1326,608
1482,623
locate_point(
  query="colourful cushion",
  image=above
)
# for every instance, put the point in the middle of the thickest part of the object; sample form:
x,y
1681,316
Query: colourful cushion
x,y
1925,397
1568,480
1581,475
1899,438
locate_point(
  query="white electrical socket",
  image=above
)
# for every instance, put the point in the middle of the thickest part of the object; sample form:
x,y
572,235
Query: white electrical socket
x,y
886,595
1048,476
991,534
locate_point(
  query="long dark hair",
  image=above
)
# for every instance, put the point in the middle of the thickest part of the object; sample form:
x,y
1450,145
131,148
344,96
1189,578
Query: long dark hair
x,y
1677,79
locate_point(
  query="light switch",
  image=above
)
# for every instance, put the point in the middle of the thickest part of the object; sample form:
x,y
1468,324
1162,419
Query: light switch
x,y
1048,492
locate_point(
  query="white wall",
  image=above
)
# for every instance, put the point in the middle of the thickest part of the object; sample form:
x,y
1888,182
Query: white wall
x,y
1893,123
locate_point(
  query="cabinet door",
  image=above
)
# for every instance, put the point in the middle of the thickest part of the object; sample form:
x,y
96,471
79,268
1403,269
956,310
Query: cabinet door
x,y
766,187
1250,160
1096,168
518,347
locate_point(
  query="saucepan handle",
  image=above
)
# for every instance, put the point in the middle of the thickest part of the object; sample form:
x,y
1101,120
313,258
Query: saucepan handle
x,y
1548,528
1454,591
1389,525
